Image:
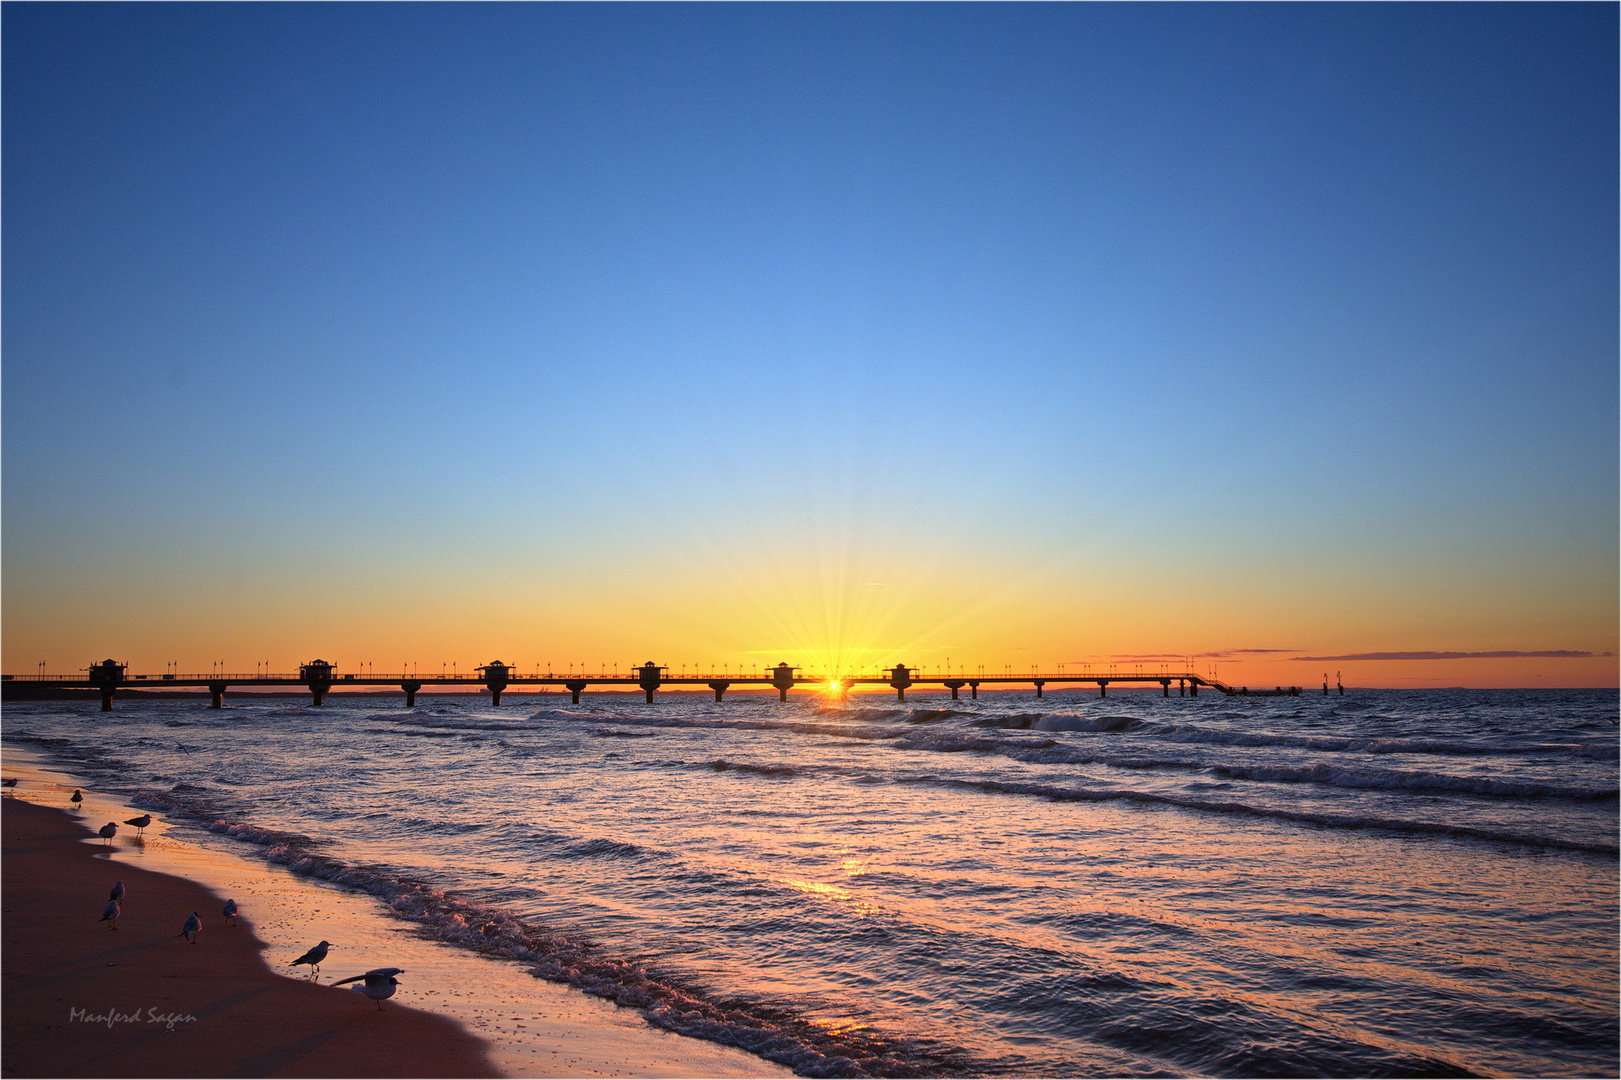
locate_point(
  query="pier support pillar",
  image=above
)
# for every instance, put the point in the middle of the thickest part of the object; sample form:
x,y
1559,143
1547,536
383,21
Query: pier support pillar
x,y
973,689
107,700
719,688
216,696
1181,688
411,689
1039,684
1103,687
1166,683
574,686
1193,688
955,685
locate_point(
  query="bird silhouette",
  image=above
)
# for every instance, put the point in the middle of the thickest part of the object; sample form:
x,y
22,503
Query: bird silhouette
x,y
140,823
109,914
117,891
314,957
230,912
108,831
379,984
189,931
76,798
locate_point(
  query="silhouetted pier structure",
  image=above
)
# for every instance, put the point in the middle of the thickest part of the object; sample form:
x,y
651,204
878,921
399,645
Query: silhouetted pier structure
x,y
320,677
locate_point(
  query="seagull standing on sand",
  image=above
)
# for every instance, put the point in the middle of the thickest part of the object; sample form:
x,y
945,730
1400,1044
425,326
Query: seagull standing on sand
x,y
230,912
189,931
313,958
379,984
109,914
108,831
140,823
76,798
118,891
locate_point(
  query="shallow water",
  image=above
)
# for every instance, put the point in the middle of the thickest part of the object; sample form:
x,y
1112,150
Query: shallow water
x,y
1389,883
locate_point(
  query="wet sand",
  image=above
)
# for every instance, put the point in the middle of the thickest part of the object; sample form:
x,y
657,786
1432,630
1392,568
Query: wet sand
x,y
81,999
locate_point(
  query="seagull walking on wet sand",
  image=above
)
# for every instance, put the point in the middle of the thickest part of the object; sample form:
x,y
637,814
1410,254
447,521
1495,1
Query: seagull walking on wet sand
x,y
230,913
117,892
189,931
109,914
76,798
313,958
140,823
379,984
108,831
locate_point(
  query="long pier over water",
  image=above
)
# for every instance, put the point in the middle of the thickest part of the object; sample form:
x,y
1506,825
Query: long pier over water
x,y
319,677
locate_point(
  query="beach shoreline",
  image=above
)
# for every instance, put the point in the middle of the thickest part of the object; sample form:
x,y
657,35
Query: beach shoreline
x,y
528,1026
82,999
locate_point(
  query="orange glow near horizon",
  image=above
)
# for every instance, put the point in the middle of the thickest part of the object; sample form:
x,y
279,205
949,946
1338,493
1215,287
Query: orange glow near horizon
x,y
716,602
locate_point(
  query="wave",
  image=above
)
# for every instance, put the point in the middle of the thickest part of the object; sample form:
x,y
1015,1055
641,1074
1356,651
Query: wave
x,y
1188,733
799,726
867,715
763,1028
1013,721
1326,820
1053,752
1333,821
1394,780
602,847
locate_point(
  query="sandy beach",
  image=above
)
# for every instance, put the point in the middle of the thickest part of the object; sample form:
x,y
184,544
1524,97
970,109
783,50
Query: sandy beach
x,y
497,1017
85,1000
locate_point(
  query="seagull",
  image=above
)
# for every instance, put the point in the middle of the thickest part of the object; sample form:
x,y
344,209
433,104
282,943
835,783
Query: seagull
x,y
140,823
118,890
109,914
108,831
76,798
189,931
230,912
313,958
379,984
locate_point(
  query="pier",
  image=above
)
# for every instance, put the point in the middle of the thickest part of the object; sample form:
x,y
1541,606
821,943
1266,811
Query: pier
x,y
320,677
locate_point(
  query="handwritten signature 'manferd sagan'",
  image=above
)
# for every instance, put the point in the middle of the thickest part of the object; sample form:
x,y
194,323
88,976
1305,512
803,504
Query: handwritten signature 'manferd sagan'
x,y
113,1016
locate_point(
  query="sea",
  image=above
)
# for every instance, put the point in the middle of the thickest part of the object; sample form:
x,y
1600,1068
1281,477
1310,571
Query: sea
x,y
1384,883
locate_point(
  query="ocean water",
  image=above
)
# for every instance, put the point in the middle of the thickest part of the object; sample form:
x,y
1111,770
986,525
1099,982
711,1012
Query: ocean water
x,y
1390,883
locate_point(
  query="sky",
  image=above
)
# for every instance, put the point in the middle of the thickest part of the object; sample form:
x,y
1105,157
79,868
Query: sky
x,y
842,335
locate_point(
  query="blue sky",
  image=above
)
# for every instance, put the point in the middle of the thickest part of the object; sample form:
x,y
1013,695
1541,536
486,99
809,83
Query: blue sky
x,y
301,300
